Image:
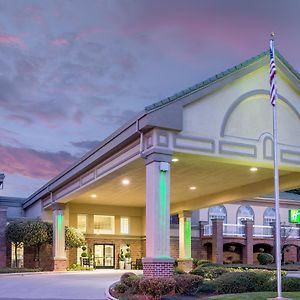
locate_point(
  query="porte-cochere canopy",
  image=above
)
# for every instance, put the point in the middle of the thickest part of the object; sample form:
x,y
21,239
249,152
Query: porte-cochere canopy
x,y
217,130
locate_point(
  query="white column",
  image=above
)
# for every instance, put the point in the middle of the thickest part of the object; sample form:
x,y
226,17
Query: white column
x,y
59,252
158,209
185,229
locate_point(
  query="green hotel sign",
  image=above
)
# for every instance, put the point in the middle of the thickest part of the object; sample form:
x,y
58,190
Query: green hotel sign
x,y
294,215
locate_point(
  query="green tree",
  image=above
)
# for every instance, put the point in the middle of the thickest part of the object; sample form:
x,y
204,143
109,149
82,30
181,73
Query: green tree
x,y
15,233
37,233
73,238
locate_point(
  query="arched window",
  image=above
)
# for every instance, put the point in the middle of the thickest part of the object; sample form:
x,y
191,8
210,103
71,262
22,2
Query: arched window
x,y
245,212
269,216
217,212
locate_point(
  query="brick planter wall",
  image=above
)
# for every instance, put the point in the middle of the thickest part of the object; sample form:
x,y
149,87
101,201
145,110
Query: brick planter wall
x,y
158,267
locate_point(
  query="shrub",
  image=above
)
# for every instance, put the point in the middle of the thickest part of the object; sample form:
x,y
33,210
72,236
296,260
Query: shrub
x,y
209,272
207,287
178,271
265,258
206,263
290,284
188,284
121,288
242,282
156,286
126,275
77,267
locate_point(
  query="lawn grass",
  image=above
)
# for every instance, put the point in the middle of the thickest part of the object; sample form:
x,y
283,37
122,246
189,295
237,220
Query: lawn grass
x,y
256,296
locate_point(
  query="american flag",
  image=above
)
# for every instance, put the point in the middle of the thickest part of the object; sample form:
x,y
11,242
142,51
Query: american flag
x,y
273,89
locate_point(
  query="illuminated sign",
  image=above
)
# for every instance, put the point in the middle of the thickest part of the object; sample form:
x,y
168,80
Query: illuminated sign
x,y
294,215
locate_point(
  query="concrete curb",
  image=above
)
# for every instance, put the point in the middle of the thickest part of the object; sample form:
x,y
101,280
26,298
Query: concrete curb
x,y
108,296
43,273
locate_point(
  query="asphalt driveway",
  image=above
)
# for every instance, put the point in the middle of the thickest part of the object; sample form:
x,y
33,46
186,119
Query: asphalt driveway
x,y
84,285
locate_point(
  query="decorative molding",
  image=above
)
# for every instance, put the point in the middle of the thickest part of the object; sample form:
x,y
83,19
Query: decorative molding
x,y
88,177
246,96
194,143
105,167
239,149
162,139
68,189
47,201
265,148
289,156
149,141
157,154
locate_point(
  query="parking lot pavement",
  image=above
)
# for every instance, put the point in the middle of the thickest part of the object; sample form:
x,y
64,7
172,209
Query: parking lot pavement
x,y
84,285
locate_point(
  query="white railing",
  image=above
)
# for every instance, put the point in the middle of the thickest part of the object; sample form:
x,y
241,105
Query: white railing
x,y
233,230
290,232
262,231
207,230
258,231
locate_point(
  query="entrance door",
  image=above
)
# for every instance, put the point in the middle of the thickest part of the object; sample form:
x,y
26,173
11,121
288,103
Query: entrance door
x,y
104,256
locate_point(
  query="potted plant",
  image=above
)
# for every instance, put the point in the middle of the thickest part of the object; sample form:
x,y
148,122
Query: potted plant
x,y
128,259
121,260
84,257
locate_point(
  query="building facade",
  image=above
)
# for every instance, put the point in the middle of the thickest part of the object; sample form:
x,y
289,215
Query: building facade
x,y
190,151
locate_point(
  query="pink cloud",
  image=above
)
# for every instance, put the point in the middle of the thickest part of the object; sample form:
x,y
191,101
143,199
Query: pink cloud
x,y
32,163
60,41
11,40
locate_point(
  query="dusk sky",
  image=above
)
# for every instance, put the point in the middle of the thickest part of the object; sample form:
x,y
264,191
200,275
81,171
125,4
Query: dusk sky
x,y
72,72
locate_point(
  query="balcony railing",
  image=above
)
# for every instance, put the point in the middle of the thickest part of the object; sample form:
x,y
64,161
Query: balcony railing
x,y
262,231
228,230
290,232
233,230
259,231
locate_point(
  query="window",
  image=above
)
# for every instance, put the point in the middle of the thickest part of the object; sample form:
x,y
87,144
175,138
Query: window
x,y
124,225
81,223
269,216
245,212
217,212
104,224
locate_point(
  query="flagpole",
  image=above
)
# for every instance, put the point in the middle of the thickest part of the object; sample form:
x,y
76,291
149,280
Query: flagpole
x,y
276,187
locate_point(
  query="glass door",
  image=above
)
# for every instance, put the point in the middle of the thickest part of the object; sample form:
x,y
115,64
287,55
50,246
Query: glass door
x,y
104,256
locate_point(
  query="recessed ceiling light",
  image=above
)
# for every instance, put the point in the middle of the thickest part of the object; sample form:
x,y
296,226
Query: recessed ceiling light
x,y
175,159
125,181
253,169
94,196
192,188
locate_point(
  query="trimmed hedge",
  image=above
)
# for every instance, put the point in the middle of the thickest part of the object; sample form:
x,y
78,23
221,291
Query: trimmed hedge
x,y
187,284
156,286
243,282
290,284
210,272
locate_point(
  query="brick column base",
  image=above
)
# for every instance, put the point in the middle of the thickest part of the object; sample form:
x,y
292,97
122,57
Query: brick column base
x,y
185,264
59,264
158,267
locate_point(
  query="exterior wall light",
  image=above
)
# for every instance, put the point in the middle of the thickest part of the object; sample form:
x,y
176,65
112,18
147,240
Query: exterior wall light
x,y
125,181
